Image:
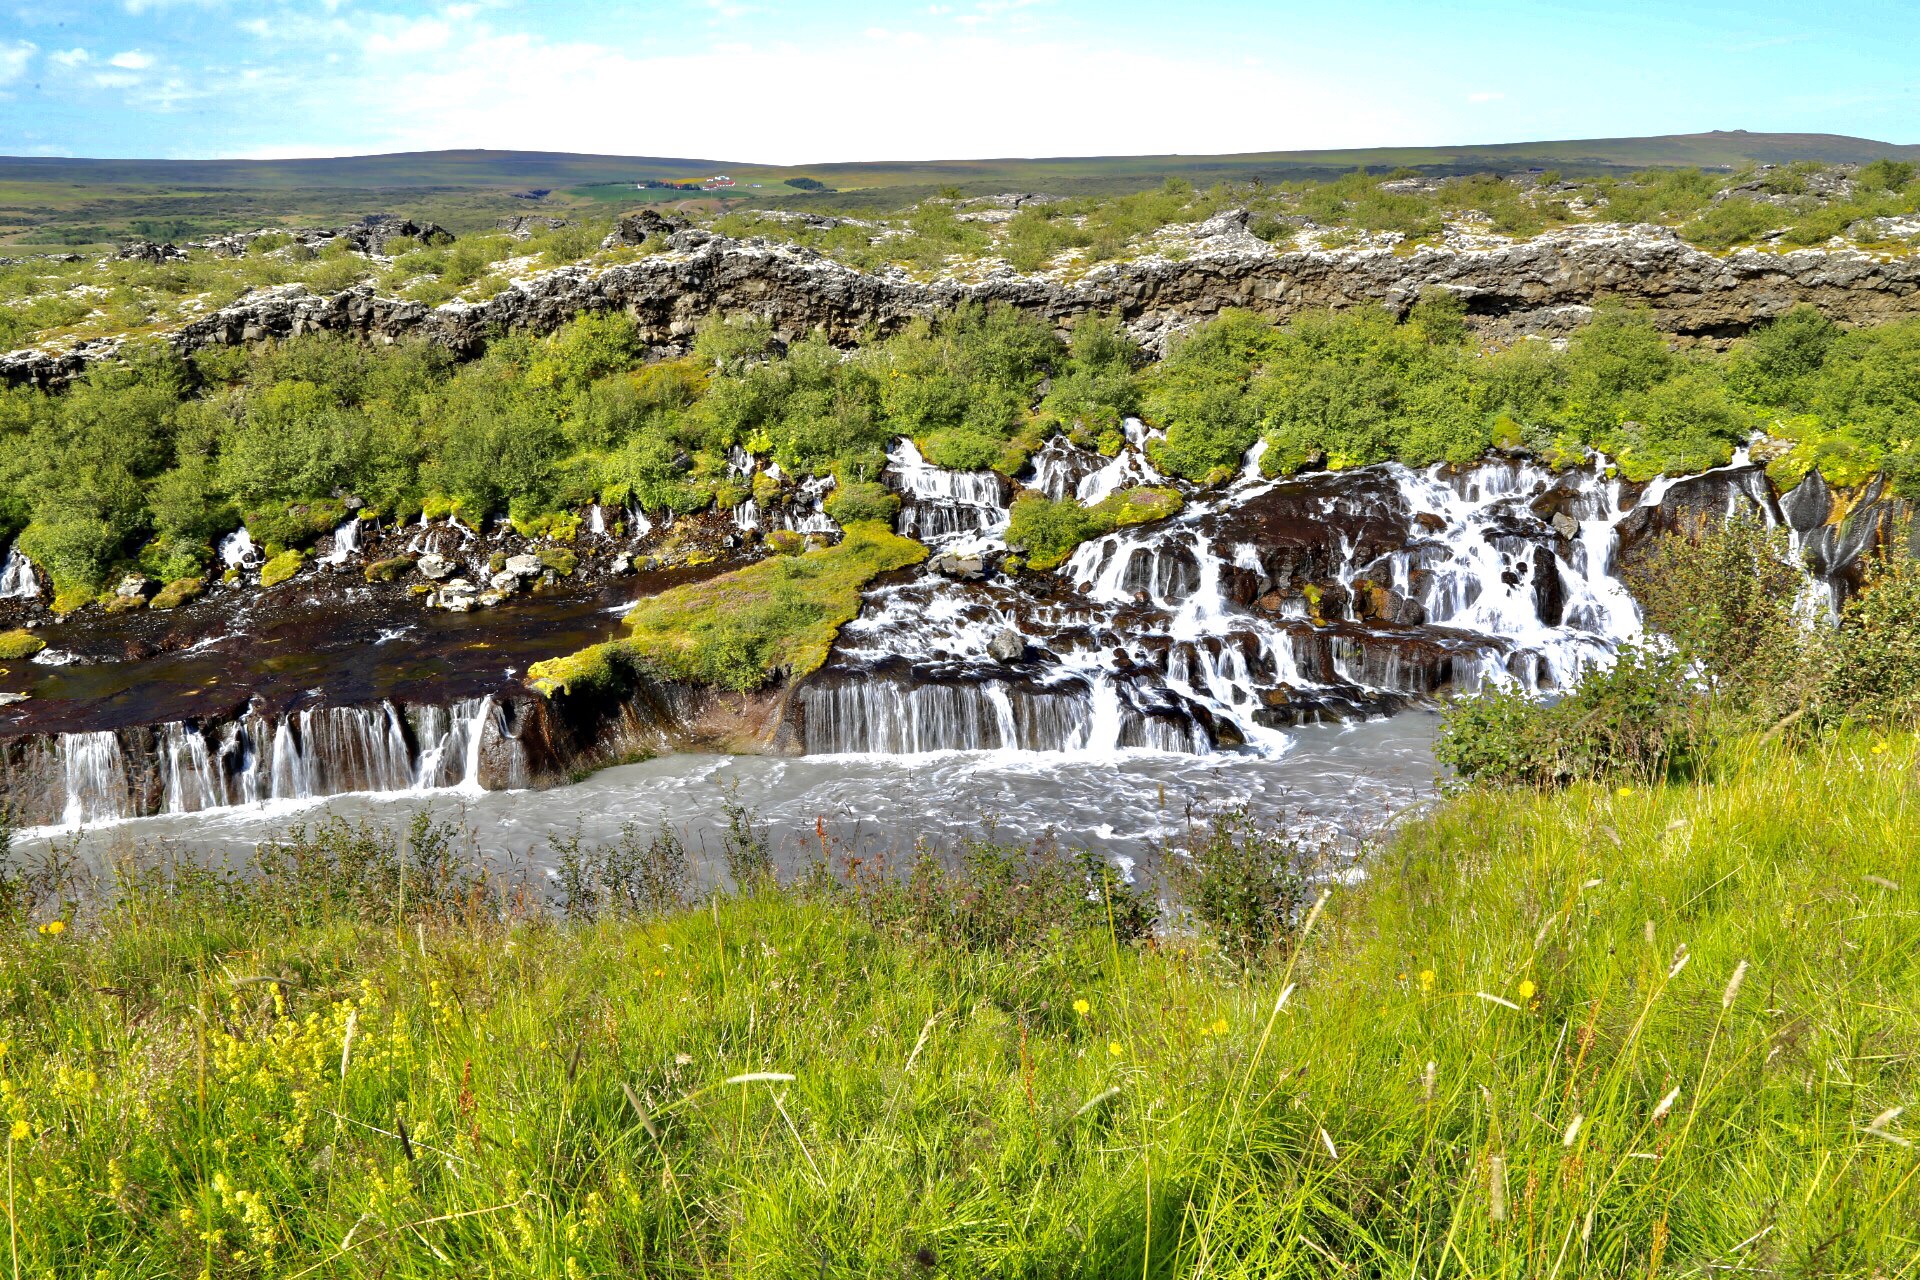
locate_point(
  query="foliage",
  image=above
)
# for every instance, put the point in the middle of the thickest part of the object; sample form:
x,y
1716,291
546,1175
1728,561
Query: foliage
x,y
1633,718
1725,594
1048,530
1245,883
1873,671
178,592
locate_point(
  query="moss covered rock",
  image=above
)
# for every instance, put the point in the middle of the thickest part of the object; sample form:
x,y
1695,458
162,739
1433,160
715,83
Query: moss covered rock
x,y
280,568
178,592
15,645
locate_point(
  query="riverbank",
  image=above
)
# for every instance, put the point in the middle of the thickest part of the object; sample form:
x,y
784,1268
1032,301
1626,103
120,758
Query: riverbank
x,y
1610,1030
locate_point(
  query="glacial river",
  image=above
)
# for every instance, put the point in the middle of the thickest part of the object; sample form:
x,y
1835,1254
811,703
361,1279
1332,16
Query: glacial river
x,y
1344,781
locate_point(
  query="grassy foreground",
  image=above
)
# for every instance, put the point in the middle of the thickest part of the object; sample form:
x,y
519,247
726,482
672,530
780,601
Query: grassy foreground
x,y
1646,1032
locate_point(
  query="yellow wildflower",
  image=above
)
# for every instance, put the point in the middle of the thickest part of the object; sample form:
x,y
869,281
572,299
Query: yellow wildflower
x,y
1624,792
1526,988
21,1129
1426,979
54,928
1113,1047
1219,1026
1881,748
1081,1007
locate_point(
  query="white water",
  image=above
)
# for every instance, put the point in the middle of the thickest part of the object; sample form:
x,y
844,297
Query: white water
x,y
1150,645
237,551
346,542
308,755
16,577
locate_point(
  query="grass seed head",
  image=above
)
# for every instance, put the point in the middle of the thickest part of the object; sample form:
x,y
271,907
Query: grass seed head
x,y
1733,985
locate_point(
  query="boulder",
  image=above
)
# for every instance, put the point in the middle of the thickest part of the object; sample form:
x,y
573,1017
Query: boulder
x,y
622,565
636,228
435,568
131,587
962,566
1008,646
524,566
456,596
506,582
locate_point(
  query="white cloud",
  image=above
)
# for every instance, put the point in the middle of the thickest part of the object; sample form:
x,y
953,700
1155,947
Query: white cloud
x,y
14,58
1486,95
422,35
478,87
69,57
132,60
115,80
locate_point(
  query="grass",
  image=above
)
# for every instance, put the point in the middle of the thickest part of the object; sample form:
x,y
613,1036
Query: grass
x,y
1648,1032
773,619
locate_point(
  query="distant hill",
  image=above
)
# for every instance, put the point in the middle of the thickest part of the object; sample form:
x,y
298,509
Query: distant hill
x,y
56,200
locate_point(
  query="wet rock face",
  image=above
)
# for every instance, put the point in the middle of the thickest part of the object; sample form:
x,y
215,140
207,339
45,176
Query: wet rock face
x,y
1545,285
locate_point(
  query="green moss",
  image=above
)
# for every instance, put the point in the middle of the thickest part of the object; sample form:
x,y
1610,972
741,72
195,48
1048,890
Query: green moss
x,y
281,567
555,526
771,620
178,592
1049,531
602,669
389,570
15,645
559,560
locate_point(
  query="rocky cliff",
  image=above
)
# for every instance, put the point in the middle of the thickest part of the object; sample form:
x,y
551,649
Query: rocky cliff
x,y
1544,285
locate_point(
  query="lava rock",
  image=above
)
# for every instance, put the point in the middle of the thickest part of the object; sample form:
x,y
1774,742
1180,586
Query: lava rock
x,y
435,568
1008,646
524,566
635,228
506,582
961,566
621,566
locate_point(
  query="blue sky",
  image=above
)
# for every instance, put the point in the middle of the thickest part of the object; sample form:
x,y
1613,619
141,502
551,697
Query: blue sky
x,y
784,82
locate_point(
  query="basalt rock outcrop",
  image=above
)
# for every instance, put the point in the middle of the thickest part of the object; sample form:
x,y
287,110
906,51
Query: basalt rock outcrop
x,y
1545,285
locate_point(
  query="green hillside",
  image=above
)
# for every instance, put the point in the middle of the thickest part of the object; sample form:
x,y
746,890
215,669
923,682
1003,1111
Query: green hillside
x,y
76,201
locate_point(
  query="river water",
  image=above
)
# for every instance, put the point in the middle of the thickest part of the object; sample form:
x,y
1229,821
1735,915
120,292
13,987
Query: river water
x,y
1330,781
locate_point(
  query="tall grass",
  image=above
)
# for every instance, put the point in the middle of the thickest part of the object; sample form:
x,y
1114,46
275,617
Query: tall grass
x,y
1525,1045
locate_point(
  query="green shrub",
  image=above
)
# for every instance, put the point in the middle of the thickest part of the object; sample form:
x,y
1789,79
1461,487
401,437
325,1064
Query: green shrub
x,y
1245,883
1873,670
862,501
391,569
1634,719
1048,531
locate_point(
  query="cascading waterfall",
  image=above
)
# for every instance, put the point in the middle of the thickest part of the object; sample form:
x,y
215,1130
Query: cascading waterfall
x,y
1261,605
16,577
305,755
346,541
236,550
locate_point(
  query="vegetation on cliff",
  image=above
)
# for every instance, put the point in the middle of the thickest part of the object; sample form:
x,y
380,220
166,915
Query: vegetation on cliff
x,y
1047,531
142,466
775,618
1641,1030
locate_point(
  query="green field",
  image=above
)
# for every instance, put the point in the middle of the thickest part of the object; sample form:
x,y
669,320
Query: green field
x,y
75,201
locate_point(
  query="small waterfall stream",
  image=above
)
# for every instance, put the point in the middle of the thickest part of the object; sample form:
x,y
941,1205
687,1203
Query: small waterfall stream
x,y
182,767
17,581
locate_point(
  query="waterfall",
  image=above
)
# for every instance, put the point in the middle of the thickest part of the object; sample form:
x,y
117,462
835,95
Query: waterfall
x,y
596,520
346,541
98,786
236,550
305,755
17,581
939,505
1261,605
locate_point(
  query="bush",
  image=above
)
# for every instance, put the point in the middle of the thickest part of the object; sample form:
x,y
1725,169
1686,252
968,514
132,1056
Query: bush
x,y
1725,595
1873,671
634,876
1245,883
1633,719
178,592
863,500
1049,531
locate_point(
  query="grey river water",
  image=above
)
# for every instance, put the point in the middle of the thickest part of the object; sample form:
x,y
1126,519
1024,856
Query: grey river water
x,y
1342,780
